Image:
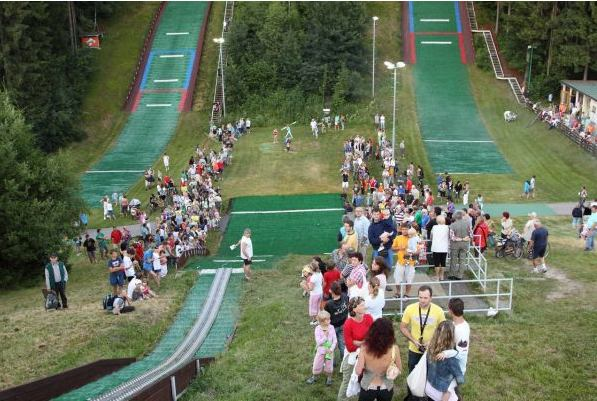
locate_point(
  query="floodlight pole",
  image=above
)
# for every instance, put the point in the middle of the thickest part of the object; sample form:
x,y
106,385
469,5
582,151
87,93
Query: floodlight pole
x,y
373,61
395,67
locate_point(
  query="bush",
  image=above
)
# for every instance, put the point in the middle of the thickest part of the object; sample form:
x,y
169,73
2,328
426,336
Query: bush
x,y
481,54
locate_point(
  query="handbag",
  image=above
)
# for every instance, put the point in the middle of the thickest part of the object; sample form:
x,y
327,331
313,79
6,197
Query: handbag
x,y
393,371
417,379
354,386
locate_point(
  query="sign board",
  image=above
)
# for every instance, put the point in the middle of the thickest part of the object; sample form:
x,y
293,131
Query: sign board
x,y
91,41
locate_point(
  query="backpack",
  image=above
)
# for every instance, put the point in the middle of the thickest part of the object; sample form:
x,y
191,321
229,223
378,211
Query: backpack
x,y
51,301
108,302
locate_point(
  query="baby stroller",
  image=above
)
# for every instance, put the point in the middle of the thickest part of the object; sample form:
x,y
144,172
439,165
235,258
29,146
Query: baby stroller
x,y
510,116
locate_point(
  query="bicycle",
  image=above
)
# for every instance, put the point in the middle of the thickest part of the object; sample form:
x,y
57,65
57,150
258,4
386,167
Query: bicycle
x,y
528,250
512,246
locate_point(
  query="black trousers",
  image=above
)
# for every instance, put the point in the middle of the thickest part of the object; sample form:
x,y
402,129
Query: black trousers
x,y
379,395
60,288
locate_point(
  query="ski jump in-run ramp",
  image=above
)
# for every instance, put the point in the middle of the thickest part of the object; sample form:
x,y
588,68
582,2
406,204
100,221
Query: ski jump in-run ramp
x,y
455,138
165,89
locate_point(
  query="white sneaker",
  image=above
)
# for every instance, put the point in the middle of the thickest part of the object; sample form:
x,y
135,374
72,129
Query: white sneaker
x,y
535,270
543,269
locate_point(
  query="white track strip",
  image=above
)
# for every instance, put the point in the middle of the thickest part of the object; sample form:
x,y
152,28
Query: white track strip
x,y
435,42
288,211
159,105
172,56
212,272
176,33
434,20
166,80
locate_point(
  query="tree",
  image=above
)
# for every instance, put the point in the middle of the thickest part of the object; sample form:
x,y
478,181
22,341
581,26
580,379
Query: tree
x,y
39,199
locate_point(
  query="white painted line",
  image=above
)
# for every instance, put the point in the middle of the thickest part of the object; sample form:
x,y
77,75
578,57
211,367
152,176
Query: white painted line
x,y
236,260
176,33
113,171
158,104
463,173
454,141
166,80
434,20
212,272
172,56
288,211
435,42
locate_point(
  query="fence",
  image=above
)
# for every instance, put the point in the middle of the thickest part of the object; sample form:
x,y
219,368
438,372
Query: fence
x,y
497,295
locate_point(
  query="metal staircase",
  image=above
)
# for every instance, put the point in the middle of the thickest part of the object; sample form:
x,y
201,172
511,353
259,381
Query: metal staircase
x,y
218,110
493,54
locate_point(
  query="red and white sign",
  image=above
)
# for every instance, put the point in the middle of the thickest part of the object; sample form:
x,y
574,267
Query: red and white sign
x,y
91,41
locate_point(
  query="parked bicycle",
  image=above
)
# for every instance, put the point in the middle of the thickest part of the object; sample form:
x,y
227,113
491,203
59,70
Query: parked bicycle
x,y
512,246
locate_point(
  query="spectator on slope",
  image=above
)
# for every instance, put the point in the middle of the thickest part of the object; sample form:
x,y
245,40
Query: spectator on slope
x,y
375,299
361,226
538,243
315,288
356,328
381,271
591,228
440,237
441,372
331,274
381,234
100,238
357,279
89,245
116,270
56,278
337,307
325,343
350,238
481,233
460,238
402,271
116,237
378,353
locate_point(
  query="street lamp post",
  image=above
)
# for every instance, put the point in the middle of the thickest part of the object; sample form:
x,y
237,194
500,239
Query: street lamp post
x,y
530,53
375,19
220,41
395,67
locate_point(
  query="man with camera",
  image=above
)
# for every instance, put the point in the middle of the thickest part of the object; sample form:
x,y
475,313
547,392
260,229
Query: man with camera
x,y
423,318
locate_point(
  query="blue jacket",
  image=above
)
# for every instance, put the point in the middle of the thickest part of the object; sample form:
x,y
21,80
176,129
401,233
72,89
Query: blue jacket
x,y
441,373
376,229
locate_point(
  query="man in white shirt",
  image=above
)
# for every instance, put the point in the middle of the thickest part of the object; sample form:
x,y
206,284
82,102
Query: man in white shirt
x,y
166,160
246,252
361,226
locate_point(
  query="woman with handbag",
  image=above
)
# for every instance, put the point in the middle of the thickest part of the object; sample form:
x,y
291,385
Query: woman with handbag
x,y
356,328
379,362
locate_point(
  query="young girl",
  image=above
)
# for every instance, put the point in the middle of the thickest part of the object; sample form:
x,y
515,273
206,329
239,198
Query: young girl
x,y
325,340
441,365
315,286
147,292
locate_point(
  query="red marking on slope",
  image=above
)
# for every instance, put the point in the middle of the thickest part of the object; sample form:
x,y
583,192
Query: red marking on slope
x,y
461,46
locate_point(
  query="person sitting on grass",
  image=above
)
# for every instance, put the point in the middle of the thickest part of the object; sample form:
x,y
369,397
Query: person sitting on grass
x,y
134,291
146,290
325,341
122,304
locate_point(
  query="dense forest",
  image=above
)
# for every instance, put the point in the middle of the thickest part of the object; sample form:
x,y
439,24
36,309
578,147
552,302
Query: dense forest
x,y
563,37
42,67
39,199
291,59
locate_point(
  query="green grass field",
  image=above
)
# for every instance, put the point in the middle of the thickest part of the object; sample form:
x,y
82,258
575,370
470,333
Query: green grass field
x,y
527,354
530,354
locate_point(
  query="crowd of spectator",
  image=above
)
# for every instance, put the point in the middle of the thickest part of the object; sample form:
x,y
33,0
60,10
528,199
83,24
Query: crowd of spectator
x,y
570,120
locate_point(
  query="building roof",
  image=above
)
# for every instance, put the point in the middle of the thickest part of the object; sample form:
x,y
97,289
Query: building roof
x,y
589,88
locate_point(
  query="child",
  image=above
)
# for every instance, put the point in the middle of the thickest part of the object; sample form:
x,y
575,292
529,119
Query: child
x,y
315,286
326,341
146,291
305,275
122,304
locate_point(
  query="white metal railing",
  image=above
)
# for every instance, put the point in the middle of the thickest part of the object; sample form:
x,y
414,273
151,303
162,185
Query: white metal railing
x,y
498,296
493,55
477,264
